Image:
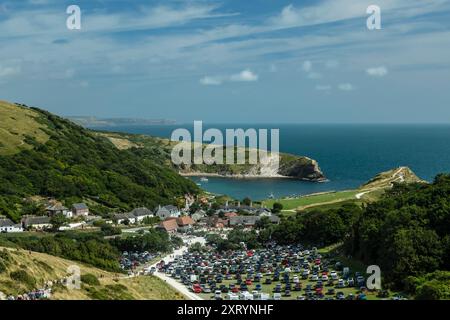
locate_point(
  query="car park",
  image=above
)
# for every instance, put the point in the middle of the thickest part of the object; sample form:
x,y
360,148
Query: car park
x,y
273,269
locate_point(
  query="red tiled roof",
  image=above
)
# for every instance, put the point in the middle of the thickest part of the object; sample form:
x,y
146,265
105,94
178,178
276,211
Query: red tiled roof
x,y
185,221
231,214
169,225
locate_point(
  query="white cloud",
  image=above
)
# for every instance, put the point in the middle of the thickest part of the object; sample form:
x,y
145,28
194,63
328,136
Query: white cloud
x,y
346,87
377,71
323,87
307,66
244,76
211,81
7,71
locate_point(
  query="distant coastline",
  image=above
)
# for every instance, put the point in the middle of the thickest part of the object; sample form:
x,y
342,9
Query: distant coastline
x,y
94,122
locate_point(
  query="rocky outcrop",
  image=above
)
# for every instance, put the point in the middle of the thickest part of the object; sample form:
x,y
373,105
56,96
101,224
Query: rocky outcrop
x,y
290,166
302,168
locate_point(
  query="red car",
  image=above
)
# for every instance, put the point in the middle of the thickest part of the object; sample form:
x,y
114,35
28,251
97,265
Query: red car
x,y
235,290
248,282
196,288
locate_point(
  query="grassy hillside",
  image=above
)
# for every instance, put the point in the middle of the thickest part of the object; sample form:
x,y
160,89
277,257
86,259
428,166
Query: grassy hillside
x,y
18,123
46,155
41,268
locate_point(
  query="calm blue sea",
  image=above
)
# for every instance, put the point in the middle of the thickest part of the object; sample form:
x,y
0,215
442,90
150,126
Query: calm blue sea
x,y
349,155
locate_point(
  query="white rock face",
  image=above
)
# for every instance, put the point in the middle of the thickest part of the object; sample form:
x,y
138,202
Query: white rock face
x,y
269,167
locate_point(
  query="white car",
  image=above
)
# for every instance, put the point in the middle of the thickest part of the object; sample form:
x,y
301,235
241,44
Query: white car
x,y
324,277
334,275
314,277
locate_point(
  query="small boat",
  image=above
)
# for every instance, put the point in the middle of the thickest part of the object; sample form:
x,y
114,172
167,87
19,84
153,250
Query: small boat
x,y
203,179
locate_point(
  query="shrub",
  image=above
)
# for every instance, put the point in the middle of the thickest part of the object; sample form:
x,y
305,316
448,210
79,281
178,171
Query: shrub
x,y
90,279
23,277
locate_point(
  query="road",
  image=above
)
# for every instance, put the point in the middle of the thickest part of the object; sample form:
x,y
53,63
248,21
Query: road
x,y
171,281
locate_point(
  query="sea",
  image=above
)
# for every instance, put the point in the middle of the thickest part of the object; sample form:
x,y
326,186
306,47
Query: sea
x,y
348,154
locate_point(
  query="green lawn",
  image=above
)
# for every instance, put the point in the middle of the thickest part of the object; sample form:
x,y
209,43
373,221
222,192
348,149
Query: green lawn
x,y
313,200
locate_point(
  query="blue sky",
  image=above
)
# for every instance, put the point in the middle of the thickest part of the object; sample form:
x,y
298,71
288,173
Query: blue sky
x,y
231,60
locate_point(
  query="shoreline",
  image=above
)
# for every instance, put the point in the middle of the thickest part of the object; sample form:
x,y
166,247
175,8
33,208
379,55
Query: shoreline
x,y
247,176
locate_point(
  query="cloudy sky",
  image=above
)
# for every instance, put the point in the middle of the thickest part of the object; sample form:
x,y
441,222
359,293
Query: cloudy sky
x,y
230,60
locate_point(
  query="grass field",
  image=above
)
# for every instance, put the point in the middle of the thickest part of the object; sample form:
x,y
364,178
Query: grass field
x,y
15,125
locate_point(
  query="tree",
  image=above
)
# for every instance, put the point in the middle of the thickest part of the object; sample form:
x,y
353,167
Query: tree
x,y
277,207
57,221
247,201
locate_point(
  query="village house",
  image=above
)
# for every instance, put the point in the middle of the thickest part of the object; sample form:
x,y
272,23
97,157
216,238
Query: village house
x,y
250,221
142,213
7,226
168,212
58,208
230,214
170,225
121,218
80,210
36,222
216,222
185,224
198,215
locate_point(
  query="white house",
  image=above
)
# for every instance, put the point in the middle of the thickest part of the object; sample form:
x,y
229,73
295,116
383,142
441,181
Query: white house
x,y
141,213
6,225
58,208
122,217
80,209
168,212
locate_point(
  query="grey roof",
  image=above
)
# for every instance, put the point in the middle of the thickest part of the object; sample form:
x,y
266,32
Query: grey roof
x,y
4,222
236,208
80,206
124,216
139,212
171,208
56,207
28,221
244,220
251,220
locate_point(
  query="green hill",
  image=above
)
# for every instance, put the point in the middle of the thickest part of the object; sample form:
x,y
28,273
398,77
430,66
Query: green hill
x,y
45,155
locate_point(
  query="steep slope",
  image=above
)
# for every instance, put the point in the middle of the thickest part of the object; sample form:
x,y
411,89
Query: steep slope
x,y
41,268
53,157
292,166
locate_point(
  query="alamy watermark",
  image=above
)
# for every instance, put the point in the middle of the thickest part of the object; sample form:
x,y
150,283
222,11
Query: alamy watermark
x,y
208,147
73,22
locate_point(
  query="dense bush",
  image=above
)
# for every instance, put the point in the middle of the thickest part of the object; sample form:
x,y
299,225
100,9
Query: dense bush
x,y
89,279
152,241
318,228
407,232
